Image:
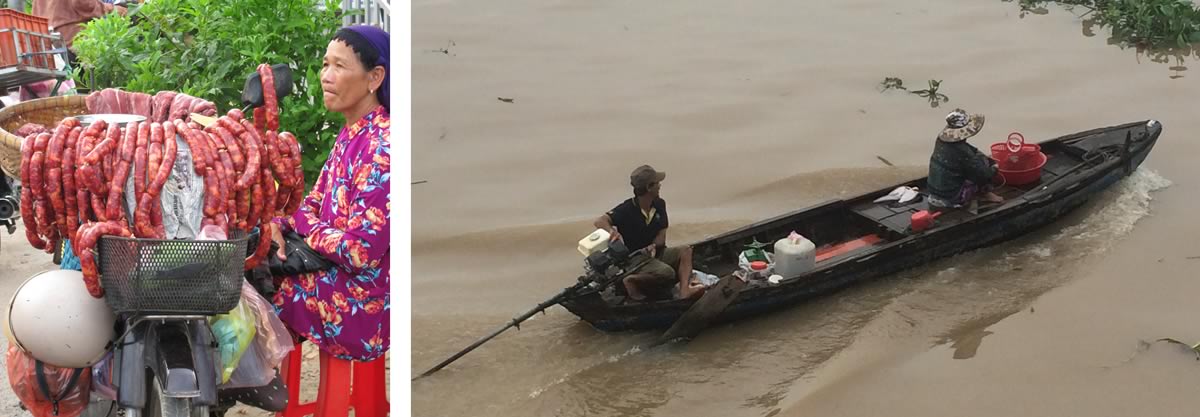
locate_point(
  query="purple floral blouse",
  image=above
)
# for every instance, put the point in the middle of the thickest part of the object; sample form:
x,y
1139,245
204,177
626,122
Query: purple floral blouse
x,y
345,309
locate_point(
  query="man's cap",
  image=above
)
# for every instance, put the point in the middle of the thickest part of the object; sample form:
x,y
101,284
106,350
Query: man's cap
x,y
645,175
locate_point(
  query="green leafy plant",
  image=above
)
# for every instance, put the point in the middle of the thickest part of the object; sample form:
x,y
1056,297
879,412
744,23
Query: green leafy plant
x,y
206,48
931,93
935,98
1144,23
1195,349
891,83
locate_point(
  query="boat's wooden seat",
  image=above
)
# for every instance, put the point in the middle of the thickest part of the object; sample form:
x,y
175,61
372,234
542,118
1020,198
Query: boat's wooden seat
x,y
892,216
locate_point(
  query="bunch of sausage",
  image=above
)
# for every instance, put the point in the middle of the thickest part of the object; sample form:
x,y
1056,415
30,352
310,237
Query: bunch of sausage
x,y
74,178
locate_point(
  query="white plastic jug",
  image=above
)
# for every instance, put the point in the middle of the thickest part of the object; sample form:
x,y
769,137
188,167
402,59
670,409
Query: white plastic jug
x,y
595,242
794,256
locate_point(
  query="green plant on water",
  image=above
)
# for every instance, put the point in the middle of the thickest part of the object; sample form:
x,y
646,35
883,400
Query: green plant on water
x,y
1143,23
935,98
205,48
931,93
1195,349
892,83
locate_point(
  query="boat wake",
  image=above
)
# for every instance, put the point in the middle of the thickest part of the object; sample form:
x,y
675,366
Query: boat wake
x,y
1117,218
611,359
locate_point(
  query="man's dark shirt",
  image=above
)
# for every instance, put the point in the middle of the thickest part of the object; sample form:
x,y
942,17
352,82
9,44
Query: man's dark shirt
x,y
632,223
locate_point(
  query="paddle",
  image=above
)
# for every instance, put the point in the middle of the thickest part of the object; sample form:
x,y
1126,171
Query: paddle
x,y
712,303
515,322
609,277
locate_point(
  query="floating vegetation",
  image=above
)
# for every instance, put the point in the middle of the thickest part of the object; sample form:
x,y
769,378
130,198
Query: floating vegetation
x,y
935,98
1193,349
892,83
445,50
1144,23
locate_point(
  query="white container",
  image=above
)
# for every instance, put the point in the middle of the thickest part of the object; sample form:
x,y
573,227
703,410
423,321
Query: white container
x,y
794,256
595,242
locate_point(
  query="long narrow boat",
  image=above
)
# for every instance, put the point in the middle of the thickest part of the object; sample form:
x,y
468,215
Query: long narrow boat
x,y
860,240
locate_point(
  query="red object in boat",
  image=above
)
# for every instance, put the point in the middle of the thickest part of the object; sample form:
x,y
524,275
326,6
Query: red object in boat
x,y
923,219
758,265
1019,162
847,246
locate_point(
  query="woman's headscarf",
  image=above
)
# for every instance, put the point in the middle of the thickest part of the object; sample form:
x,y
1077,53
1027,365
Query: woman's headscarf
x,y
371,41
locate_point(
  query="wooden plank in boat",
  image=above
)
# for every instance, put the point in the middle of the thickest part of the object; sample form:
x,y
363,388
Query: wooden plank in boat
x,y
710,305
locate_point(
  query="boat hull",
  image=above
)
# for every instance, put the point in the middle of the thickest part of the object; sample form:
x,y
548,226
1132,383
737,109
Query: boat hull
x,y
1040,209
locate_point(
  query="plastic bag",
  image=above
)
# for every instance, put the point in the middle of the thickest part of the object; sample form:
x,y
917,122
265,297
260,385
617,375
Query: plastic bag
x,y
22,376
252,370
701,277
706,279
182,196
273,338
43,89
271,344
234,332
744,264
102,377
212,232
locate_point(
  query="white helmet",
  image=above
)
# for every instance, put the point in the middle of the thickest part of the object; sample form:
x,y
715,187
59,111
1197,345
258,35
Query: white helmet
x,y
54,319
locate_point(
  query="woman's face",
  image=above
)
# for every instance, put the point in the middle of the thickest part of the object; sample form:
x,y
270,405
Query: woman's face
x,y
344,80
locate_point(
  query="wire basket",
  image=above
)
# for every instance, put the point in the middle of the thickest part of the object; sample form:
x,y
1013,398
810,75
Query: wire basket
x,y
156,276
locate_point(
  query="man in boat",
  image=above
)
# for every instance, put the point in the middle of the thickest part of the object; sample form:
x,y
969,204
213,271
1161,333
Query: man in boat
x,y
958,172
641,223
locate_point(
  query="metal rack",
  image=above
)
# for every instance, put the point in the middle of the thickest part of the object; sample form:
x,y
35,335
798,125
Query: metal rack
x,y
28,48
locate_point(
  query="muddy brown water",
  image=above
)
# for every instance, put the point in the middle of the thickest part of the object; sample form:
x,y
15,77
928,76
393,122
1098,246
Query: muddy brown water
x,y
759,108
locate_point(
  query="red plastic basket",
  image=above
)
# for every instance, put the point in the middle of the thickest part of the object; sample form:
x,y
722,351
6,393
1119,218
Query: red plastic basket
x,y
22,33
1020,163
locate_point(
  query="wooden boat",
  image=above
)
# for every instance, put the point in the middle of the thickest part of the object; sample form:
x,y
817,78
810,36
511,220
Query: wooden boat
x,y
860,240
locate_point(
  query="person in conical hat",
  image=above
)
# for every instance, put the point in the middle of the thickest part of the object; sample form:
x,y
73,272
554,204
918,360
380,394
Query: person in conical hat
x,y
958,172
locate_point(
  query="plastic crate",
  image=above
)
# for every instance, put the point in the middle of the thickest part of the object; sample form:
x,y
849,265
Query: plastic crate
x,y
159,276
22,33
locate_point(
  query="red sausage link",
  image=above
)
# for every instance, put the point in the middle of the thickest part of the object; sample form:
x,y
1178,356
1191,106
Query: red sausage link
x,y
226,138
212,193
198,161
98,208
253,160
68,180
89,236
269,99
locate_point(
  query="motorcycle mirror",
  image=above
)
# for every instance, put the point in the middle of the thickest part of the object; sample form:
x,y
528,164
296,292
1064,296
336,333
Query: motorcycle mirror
x,y
252,92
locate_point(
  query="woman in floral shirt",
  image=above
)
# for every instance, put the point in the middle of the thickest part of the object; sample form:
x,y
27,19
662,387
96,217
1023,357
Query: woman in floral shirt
x,y
345,309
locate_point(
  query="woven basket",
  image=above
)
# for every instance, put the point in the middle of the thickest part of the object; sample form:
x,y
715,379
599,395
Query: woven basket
x,y
47,111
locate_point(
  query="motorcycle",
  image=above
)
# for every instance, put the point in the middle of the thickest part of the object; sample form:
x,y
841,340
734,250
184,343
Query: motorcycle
x,y
165,361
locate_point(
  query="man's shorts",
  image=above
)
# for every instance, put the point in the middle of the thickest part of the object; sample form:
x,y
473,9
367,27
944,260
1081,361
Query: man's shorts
x,y
662,269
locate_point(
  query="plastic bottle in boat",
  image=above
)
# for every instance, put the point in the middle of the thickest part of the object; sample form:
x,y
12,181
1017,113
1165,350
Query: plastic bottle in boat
x,y
794,256
758,270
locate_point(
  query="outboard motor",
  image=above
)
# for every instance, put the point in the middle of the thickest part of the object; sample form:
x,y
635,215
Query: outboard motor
x,y
616,255
605,267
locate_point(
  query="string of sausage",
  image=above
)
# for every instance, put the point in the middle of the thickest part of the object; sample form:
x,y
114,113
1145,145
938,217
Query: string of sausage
x,y
77,178
89,235
27,210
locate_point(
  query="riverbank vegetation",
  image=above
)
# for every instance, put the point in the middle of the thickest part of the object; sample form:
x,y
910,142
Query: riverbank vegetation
x,y
1140,23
